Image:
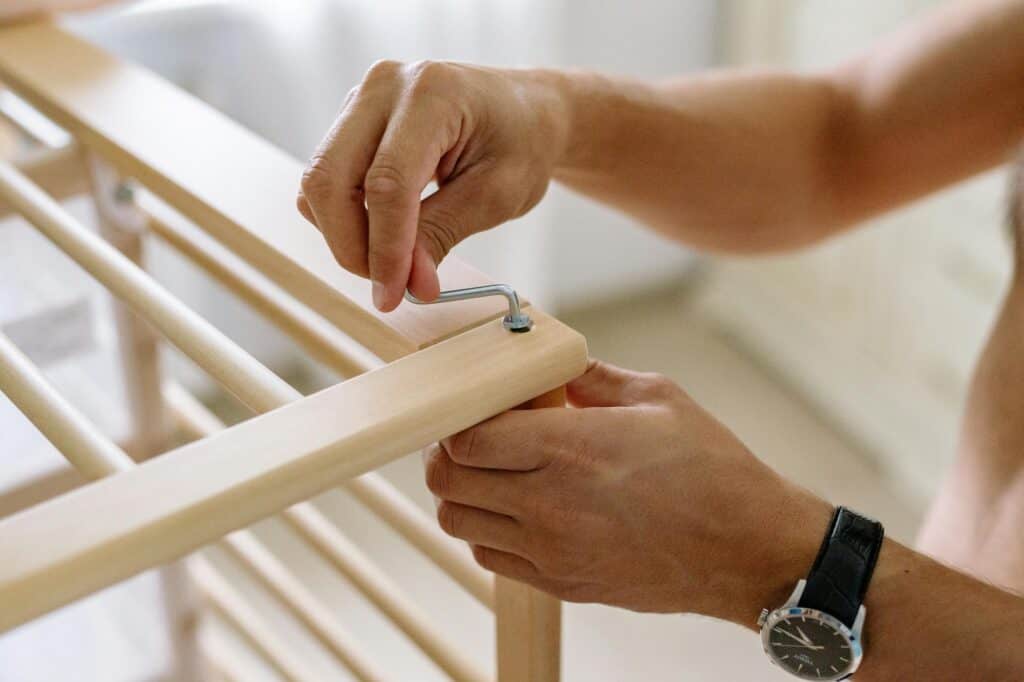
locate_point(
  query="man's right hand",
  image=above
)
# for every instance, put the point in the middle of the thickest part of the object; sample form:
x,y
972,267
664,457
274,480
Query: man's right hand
x,y
489,137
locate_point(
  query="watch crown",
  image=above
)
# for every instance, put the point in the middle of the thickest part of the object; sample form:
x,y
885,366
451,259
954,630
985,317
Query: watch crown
x,y
762,618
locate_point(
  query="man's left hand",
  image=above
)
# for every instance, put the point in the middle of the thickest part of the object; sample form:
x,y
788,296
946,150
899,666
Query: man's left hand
x,y
638,498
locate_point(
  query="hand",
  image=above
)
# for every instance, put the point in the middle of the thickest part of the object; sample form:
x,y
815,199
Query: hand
x,y
489,137
638,499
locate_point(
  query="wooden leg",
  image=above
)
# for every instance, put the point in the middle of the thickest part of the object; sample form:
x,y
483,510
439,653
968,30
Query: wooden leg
x,y
529,622
123,225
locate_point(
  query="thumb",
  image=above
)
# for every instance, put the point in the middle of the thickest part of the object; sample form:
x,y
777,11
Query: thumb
x,y
605,385
474,201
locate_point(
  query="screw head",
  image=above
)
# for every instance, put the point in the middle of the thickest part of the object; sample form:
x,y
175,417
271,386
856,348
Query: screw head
x,y
517,323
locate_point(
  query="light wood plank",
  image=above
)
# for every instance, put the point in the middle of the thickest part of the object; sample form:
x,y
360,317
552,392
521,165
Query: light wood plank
x,y
175,503
227,180
528,622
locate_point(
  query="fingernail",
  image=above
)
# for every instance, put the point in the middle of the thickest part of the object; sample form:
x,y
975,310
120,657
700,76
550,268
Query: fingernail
x,y
378,295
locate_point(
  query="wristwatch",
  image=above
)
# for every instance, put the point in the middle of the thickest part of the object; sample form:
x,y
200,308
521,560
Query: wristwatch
x,y
816,634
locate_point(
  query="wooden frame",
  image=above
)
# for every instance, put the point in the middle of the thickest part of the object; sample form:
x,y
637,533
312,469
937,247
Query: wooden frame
x,y
161,164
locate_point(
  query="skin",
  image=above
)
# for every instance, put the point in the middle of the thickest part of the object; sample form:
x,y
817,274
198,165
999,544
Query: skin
x,y
23,10
638,497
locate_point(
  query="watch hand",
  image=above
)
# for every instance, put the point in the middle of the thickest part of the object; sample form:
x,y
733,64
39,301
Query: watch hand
x,y
813,647
805,637
789,634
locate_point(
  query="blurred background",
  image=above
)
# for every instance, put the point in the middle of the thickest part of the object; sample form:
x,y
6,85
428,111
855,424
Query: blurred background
x,y
843,366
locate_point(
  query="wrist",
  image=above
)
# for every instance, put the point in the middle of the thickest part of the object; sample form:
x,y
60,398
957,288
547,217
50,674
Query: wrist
x,y
780,553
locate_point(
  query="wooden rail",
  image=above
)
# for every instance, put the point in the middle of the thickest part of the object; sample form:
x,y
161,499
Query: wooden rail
x,y
227,205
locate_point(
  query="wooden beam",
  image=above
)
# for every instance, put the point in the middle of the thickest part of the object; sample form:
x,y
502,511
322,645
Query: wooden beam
x,y
175,503
529,622
227,180
39,488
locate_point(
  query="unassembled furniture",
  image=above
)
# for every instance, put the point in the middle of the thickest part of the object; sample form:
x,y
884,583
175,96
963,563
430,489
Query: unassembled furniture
x,y
162,165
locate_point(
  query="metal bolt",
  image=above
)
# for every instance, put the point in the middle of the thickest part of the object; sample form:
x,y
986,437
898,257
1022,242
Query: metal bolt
x,y
516,320
124,193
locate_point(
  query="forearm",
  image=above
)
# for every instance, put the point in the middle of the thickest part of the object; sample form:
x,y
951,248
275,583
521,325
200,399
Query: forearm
x,y
924,620
749,161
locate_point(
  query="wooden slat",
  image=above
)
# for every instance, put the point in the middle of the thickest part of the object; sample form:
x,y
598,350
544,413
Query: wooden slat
x,y
196,421
318,337
177,502
236,610
97,457
39,488
227,180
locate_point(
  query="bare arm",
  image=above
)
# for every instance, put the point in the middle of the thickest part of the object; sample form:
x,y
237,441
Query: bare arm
x,y
758,160
639,498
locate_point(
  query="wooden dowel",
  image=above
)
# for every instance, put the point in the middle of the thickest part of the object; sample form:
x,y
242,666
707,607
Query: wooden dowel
x,y
528,622
239,372
85,448
381,591
44,486
254,384
97,457
234,608
303,603
315,528
317,336
422,532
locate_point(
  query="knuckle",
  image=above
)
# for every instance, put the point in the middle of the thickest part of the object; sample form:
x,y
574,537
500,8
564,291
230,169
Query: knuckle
x,y
441,230
448,517
382,69
384,184
461,446
425,75
317,180
439,475
485,557
659,386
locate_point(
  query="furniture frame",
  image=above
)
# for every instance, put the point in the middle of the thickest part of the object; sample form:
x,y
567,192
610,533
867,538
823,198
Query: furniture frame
x,y
162,165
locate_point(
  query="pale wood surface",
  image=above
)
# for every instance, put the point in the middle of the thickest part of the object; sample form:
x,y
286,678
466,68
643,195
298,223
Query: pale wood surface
x,y
97,457
120,223
529,622
223,359
78,440
318,337
41,487
233,184
235,609
353,563
175,503
303,603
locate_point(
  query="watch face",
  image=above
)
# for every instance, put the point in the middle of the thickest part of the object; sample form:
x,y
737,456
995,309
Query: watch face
x,y
810,644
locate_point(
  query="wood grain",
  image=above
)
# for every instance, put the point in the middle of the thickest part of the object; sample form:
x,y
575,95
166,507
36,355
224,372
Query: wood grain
x,y
529,622
175,503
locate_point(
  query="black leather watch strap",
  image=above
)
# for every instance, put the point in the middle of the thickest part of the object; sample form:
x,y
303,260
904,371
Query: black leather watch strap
x,y
842,571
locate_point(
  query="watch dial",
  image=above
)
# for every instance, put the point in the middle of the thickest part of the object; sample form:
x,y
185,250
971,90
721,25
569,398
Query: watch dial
x,y
809,648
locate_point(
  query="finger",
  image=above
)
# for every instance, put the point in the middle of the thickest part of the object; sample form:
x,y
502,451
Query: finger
x,y
518,440
476,200
605,385
481,527
412,146
305,209
506,563
331,194
495,491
